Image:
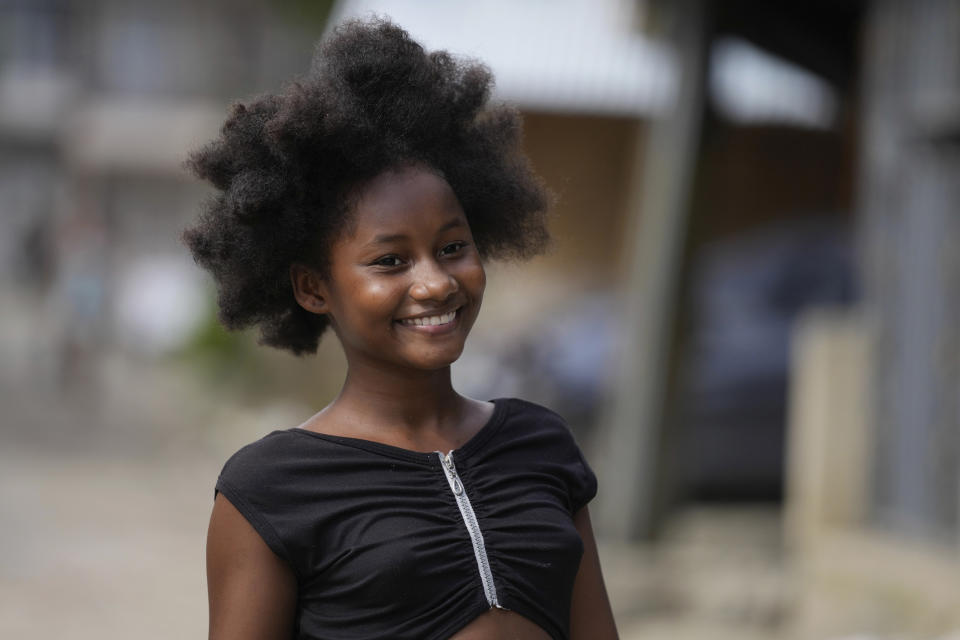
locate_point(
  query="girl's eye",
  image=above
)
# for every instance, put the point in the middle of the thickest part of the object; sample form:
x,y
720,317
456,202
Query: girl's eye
x,y
388,261
452,248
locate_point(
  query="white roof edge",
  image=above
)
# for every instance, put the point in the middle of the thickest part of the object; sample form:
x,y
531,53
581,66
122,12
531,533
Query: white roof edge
x,y
570,56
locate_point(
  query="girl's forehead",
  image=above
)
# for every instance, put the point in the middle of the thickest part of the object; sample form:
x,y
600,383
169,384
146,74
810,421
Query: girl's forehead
x,y
400,198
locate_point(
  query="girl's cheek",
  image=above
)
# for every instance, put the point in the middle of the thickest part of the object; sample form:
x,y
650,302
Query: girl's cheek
x,y
481,279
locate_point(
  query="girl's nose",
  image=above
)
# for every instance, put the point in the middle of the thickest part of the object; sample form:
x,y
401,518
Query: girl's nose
x,y
432,282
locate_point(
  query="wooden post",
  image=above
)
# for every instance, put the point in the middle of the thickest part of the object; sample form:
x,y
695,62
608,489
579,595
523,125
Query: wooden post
x,y
628,443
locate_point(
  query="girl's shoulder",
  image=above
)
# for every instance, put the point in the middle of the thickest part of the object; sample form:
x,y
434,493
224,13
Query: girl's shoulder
x,y
528,409
535,425
257,463
530,415
274,445
534,436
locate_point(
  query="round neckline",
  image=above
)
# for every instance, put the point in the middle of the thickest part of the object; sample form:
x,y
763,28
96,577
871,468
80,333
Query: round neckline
x,y
476,441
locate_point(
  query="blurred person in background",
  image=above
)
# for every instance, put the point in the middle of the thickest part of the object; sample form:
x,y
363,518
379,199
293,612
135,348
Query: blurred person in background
x,y
81,286
364,199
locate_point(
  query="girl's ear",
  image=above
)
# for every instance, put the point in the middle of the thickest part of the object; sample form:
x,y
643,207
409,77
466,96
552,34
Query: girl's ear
x,y
308,288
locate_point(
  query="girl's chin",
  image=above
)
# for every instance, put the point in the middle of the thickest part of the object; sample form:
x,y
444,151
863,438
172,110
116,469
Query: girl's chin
x,y
434,361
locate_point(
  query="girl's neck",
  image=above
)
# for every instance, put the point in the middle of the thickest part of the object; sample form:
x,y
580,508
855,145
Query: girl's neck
x,y
399,407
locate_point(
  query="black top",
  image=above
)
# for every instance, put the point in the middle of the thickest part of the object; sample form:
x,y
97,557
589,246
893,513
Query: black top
x,y
378,542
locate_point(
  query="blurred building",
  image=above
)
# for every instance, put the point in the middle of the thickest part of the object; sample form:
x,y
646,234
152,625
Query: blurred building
x,y
852,414
99,104
724,170
877,506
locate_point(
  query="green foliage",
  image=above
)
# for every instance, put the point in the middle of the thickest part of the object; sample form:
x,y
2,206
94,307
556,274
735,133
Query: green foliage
x,y
311,14
226,357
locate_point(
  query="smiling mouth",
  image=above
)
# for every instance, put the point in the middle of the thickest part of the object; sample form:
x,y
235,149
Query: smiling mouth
x,y
430,321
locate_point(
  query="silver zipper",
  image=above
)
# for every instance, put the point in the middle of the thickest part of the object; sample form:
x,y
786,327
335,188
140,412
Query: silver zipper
x,y
473,528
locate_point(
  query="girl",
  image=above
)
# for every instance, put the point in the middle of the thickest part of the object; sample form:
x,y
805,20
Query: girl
x,y
365,199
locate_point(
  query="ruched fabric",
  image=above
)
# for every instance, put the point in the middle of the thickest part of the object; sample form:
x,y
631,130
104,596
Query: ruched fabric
x,y
377,541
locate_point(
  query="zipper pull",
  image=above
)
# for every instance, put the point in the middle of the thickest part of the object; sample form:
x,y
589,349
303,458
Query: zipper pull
x,y
457,486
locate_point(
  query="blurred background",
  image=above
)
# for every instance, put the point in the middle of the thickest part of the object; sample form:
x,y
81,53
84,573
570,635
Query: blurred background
x,y
750,315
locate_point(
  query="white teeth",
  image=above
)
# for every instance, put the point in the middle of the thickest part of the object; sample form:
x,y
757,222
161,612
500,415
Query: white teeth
x,y
431,321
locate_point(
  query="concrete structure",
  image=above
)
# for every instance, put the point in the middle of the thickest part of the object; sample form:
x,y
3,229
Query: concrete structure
x,y
875,429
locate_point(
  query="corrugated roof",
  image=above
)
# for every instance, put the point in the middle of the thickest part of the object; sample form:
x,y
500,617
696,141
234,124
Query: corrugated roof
x,y
573,56
590,57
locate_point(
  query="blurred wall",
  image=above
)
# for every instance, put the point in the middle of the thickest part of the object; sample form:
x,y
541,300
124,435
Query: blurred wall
x,y
875,482
588,161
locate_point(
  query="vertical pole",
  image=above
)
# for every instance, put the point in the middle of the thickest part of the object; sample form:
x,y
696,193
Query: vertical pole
x,y
629,441
908,225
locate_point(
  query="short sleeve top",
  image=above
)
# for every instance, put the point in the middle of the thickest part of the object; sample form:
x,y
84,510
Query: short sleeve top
x,y
384,546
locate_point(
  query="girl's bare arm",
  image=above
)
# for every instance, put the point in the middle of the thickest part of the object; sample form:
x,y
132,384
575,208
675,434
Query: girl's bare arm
x,y
252,592
591,617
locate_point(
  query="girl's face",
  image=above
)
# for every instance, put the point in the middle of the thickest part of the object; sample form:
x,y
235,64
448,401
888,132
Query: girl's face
x,y
405,279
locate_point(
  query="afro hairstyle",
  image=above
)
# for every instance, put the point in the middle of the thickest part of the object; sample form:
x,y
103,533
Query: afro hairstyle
x,y
285,166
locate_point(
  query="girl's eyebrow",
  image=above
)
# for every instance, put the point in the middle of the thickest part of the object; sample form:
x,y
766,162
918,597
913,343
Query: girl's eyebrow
x,y
387,238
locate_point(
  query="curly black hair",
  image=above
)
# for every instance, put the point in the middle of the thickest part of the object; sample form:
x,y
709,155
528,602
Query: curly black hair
x,y
286,165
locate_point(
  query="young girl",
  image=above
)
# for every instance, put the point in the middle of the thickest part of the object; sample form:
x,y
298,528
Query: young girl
x,y
365,199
